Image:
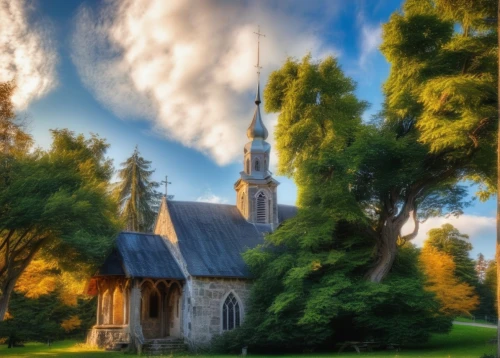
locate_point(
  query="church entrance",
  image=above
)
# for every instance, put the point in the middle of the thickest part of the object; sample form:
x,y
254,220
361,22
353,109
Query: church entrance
x,y
160,308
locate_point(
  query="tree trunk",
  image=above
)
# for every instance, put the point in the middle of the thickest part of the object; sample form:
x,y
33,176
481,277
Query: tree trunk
x,y
4,299
386,251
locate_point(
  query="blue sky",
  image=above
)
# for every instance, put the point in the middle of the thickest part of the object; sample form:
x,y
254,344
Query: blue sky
x,y
177,79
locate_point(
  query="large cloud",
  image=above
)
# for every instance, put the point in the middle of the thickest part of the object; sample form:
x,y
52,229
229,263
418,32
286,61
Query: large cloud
x,y
27,55
187,66
477,227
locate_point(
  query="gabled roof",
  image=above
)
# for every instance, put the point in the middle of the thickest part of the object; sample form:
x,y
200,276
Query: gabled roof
x,y
212,237
141,255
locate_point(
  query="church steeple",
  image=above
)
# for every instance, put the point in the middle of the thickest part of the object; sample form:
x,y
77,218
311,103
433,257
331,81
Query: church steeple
x,y
256,192
257,128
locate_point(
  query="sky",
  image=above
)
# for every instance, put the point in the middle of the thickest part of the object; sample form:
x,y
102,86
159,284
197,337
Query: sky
x,y
177,79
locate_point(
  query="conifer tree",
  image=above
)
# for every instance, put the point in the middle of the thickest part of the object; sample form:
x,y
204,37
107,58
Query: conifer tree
x,y
136,193
447,239
456,297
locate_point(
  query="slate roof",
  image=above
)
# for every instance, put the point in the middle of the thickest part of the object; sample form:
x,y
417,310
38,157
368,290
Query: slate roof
x,y
141,255
212,237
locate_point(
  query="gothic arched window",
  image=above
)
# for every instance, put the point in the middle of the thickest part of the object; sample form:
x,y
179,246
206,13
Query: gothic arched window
x,y
257,166
261,208
231,313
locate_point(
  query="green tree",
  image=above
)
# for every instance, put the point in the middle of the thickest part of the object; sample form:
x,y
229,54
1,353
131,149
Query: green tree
x,y
441,100
137,194
449,240
59,201
309,274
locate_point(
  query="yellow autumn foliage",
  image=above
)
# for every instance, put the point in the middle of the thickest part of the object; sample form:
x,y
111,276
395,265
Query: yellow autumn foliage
x,y
71,323
39,278
43,276
455,297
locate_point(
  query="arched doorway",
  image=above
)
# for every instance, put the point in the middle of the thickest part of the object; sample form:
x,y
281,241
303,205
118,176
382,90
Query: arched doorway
x,y
160,309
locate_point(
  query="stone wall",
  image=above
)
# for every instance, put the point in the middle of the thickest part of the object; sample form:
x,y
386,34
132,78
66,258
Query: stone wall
x,y
107,337
205,307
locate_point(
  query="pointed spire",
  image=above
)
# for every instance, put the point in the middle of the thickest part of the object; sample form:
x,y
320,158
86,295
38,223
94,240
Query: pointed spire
x,y
257,96
257,128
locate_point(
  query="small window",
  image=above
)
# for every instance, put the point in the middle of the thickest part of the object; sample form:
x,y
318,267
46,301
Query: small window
x,y
231,313
257,166
153,305
261,208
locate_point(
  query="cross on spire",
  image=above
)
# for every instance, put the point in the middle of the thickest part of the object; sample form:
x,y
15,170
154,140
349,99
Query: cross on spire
x,y
166,182
259,35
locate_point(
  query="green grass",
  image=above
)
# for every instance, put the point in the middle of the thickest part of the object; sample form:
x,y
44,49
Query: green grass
x,y
462,342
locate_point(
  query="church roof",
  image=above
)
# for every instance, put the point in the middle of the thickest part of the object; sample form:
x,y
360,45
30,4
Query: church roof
x,y
212,237
141,255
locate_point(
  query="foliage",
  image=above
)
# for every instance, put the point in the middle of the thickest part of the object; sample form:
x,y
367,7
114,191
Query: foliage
x,y
457,297
33,319
490,278
55,203
71,323
309,288
447,239
136,193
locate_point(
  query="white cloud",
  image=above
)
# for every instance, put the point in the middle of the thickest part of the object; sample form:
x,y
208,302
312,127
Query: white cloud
x,y
26,53
370,40
476,227
187,67
209,197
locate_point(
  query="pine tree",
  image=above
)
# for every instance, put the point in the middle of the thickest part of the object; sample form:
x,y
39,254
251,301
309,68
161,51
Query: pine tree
x,y
136,193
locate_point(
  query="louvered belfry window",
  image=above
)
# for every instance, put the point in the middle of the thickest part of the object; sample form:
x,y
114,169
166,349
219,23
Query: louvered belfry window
x,y
230,313
261,208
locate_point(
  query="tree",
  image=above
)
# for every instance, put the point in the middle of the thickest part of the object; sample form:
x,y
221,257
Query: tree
x,y
449,240
309,273
481,266
57,200
137,194
456,297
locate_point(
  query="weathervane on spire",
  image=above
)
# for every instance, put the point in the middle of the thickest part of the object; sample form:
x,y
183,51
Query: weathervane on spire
x,y
258,50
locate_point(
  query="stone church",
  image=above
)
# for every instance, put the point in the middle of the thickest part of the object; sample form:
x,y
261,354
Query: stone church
x,y
187,281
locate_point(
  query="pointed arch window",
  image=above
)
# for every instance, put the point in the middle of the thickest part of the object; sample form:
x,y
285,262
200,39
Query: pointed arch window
x,y
261,208
257,165
231,314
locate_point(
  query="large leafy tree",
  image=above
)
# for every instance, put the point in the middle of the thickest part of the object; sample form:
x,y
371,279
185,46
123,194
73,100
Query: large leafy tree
x,y
310,273
137,193
56,202
440,104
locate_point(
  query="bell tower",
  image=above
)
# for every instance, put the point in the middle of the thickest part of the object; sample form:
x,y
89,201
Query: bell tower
x,y
256,190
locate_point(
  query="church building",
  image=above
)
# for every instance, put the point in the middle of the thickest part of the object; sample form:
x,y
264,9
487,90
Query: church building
x,y
187,281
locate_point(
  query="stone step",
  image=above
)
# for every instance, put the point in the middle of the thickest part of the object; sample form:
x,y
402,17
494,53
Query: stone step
x,y
163,346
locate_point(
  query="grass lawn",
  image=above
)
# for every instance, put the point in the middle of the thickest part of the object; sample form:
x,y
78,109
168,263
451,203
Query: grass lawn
x,y
462,342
